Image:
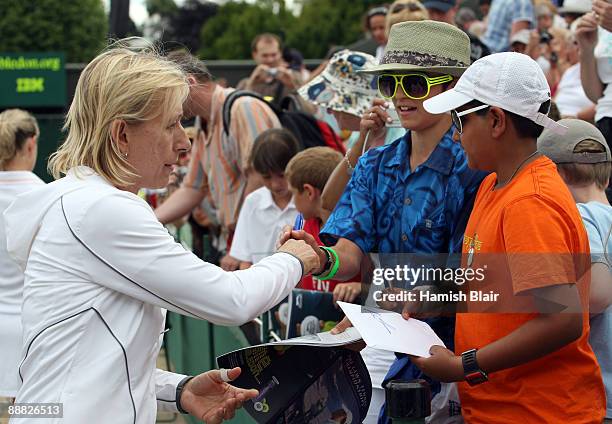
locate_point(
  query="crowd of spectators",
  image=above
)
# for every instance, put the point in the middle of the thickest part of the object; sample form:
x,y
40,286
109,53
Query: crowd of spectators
x,y
246,172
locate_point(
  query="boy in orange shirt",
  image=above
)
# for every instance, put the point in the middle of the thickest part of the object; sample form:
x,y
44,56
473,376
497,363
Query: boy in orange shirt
x,y
528,364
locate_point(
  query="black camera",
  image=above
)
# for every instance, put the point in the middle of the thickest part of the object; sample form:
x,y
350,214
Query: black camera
x,y
554,57
545,37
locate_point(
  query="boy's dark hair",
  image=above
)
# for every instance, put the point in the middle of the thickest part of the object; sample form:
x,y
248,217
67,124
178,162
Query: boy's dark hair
x,y
293,57
190,65
582,174
312,166
525,128
272,150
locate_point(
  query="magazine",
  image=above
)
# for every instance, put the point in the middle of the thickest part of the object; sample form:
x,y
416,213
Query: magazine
x,y
310,379
311,312
277,318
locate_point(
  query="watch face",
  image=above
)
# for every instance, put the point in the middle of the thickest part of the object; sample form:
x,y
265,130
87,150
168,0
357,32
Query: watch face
x,y
475,378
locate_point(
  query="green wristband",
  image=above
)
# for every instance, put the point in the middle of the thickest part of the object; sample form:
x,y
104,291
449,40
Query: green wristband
x,y
334,269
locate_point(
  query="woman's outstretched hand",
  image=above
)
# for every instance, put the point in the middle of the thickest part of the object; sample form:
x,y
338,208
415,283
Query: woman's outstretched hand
x,y
211,399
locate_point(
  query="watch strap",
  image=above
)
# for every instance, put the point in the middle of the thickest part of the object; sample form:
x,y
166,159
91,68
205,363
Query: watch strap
x,y
179,392
328,263
471,370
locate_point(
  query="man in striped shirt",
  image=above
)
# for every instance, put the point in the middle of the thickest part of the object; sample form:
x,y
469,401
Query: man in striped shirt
x,y
219,161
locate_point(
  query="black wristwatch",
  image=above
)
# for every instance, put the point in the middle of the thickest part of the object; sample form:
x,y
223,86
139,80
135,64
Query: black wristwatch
x,y
328,263
473,374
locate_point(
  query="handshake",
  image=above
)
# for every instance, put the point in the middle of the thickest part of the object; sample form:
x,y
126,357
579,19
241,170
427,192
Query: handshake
x,y
304,247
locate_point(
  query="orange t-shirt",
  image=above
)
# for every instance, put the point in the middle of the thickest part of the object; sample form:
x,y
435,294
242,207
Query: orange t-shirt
x,y
533,215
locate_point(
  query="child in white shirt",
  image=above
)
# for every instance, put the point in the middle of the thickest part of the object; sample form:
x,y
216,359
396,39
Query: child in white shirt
x,y
270,208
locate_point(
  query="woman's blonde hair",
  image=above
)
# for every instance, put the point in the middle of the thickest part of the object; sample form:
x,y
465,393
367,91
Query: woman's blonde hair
x,y
134,85
548,3
560,33
412,10
16,126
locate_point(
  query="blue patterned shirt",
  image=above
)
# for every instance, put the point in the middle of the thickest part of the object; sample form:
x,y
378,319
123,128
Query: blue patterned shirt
x,y
502,15
387,208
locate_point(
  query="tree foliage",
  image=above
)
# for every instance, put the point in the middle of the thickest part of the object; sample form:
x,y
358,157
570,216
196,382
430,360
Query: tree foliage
x,y
320,25
78,28
180,25
323,24
161,7
229,33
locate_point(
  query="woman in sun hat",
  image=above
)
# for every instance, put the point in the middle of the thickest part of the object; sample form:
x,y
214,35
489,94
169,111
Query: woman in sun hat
x,y
339,87
415,194
344,92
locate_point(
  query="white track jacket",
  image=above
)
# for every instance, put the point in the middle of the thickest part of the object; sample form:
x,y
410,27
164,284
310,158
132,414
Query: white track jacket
x,y
99,268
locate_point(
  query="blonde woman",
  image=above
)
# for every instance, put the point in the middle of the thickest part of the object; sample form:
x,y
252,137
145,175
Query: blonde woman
x,y
557,57
100,267
18,138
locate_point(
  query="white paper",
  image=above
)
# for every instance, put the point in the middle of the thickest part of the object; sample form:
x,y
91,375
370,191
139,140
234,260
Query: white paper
x,y
389,331
351,335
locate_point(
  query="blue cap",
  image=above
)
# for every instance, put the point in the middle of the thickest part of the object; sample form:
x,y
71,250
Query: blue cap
x,y
442,5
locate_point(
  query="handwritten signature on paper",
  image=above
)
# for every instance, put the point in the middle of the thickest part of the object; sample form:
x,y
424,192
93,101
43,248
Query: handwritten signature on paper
x,y
378,317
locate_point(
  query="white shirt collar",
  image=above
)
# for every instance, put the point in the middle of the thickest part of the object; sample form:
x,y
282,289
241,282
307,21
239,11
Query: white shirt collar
x,y
268,202
18,175
85,172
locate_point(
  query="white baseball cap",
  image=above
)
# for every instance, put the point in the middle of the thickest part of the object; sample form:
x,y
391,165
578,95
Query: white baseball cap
x,y
521,36
576,6
511,81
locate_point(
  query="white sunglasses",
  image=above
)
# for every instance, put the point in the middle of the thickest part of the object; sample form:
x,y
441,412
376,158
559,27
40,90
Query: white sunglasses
x,y
456,116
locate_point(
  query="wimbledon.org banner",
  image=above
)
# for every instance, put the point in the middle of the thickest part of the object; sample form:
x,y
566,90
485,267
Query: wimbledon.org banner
x,y
35,64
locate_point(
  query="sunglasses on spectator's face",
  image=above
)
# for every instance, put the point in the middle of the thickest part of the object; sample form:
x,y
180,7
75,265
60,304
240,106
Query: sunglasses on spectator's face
x,y
415,86
456,116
